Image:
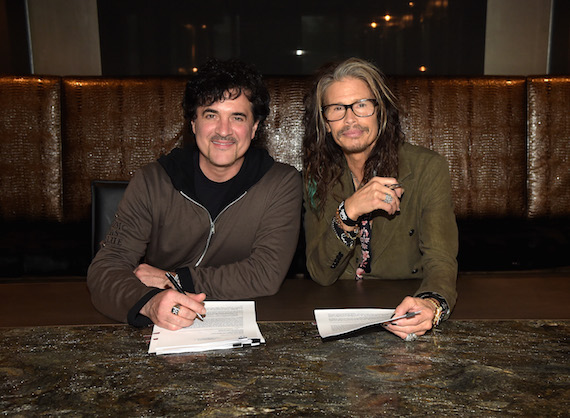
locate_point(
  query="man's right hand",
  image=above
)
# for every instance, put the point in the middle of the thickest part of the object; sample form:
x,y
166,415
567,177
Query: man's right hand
x,y
159,309
372,196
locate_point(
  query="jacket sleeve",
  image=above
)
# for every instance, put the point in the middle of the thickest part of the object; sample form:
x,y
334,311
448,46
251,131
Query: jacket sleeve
x,y
327,255
113,286
438,233
276,238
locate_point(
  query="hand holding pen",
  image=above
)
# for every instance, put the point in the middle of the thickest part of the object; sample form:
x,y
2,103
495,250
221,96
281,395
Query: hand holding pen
x,y
413,317
176,308
160,308
379,193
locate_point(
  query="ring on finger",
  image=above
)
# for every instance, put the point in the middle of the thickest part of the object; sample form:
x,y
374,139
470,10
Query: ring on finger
x,y
175,309
411,337
388,198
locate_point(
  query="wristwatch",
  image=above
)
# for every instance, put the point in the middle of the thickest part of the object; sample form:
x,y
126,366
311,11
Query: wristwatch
x,y
442,310
437,317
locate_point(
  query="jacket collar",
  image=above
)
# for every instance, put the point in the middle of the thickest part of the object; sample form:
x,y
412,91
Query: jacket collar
x,y
180,164
404,167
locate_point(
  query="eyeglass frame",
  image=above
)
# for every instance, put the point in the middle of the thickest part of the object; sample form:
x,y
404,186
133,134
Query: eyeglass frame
x,y
349,106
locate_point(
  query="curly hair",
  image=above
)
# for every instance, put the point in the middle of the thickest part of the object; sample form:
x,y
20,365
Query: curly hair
x,y
323,159
222,80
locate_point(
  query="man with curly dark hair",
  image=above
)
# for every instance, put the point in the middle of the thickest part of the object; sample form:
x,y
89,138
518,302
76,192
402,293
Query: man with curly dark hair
x,y
219,216
358,224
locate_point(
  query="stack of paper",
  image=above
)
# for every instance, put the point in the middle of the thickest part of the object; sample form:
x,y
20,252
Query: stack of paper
x,y
334,322
225,325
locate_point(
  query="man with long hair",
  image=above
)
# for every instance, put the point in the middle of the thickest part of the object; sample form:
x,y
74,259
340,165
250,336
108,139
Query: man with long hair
x,y
219,216
376,206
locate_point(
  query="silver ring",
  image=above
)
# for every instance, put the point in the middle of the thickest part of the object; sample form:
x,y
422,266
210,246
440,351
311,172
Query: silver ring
x,y
388,198
175,309
411,337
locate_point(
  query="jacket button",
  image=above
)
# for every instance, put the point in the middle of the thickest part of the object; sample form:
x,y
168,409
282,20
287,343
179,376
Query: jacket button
x,y
414,271
411,232
336,260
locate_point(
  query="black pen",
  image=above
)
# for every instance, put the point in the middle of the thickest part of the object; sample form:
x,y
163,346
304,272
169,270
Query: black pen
x,y
180,290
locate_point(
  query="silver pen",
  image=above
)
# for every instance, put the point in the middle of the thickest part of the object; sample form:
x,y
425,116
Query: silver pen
x,y
406,315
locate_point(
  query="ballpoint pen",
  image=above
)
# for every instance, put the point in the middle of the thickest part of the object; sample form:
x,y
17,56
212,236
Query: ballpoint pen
x,y
179,289
411,314
406,315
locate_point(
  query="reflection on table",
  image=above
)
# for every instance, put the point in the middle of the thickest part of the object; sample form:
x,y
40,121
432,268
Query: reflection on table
x,y
468,368
498,295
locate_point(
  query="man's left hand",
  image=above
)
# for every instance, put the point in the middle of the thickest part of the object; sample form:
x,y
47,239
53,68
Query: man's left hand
x,y
152,276
418,324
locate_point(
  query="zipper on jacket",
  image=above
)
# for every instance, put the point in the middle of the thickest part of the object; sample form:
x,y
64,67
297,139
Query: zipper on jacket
x,y
212,222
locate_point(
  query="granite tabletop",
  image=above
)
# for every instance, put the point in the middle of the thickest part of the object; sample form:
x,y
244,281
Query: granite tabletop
x,y
466,368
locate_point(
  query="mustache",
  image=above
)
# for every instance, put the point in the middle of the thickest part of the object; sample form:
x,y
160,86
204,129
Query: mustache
x,y
228,138
357,126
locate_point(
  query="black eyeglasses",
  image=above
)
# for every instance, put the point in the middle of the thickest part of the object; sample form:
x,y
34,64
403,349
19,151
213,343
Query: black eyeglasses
x,y
362,108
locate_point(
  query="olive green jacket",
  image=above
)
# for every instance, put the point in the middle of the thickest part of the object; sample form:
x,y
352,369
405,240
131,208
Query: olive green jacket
x,y
421,241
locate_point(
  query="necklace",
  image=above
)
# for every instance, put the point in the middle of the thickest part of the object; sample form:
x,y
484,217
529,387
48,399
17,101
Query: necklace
x,y
355,181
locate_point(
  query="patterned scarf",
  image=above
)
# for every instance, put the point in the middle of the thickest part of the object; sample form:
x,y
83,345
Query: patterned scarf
x,y
365,235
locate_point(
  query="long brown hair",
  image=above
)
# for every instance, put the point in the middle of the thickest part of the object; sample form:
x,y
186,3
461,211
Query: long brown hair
x,y
323,159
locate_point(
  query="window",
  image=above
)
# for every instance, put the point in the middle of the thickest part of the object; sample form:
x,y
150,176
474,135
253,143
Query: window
x,y
436,37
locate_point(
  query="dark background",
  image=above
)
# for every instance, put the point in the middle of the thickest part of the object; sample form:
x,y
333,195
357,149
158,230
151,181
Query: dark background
x,y
137,37
151,37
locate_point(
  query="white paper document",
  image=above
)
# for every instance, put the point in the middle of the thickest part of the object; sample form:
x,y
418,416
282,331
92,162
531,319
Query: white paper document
x,y
334,322
226,325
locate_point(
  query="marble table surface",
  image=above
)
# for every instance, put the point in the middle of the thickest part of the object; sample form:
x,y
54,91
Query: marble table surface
x,y
466,368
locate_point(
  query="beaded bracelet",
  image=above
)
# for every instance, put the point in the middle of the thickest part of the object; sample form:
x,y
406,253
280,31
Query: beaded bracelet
x,y
347,237
440,299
